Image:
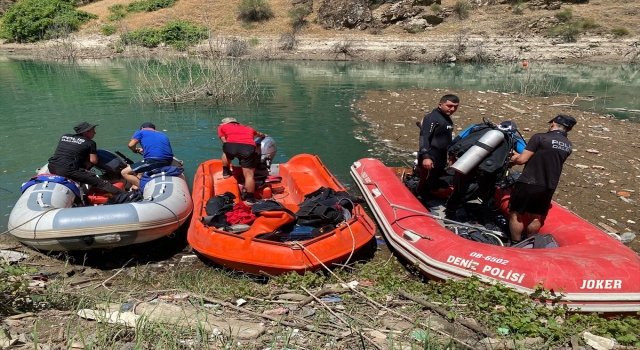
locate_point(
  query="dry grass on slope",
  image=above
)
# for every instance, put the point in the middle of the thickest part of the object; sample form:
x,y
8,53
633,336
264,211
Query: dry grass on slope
x,y
221,17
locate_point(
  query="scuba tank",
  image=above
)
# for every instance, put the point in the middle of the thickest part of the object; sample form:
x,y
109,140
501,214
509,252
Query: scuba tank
x,y
480,150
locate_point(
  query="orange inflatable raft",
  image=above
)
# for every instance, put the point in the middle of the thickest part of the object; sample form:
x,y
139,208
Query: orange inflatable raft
x,y
251,251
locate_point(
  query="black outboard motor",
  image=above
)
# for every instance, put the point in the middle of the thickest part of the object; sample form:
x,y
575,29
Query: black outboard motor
x,y
110,164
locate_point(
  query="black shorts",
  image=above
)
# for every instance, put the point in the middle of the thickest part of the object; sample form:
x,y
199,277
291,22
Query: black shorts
x,y
149,164
245,153
531,199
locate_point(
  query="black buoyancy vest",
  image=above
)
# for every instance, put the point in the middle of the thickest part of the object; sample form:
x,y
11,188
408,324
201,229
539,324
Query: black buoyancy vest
x,y
496,159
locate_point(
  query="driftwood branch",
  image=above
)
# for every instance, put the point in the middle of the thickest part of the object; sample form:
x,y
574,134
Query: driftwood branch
x,y
340,318
378,305
443,312
514,108
322,292
268,317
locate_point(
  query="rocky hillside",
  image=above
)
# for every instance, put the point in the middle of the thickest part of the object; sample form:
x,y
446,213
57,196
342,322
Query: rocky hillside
x,y
405,30
479,30
418,18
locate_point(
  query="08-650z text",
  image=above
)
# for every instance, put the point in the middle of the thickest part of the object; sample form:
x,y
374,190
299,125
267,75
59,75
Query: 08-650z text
x,y
489,258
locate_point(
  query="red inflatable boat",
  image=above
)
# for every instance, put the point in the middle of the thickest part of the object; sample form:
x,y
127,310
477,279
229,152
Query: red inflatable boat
x,y
593,271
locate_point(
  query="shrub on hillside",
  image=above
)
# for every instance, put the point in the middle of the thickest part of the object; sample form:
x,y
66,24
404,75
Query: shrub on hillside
x,y
462,8
149,5
589,23
144,37
254,10
517,7
33,20
564,15
297,15
620,31
181,34
108,29
568,32
118,12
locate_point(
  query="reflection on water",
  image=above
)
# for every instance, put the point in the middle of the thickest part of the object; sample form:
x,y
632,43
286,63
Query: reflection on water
x,y
306,107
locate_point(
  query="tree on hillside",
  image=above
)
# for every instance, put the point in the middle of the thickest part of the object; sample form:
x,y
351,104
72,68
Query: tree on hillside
x,y
33,20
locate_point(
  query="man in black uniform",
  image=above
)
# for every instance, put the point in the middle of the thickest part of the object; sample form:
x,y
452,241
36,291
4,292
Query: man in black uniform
x,y
435,136
544,156
76,154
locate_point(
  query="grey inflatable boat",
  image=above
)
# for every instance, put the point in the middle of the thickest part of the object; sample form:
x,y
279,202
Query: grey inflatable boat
x,y
50,216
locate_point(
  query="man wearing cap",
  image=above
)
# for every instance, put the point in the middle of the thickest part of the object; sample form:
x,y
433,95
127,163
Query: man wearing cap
x,y
76,154
544,156
238,142
156,151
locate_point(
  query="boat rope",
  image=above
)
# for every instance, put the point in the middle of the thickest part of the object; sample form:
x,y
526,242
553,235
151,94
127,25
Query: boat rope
x,y
480,228
353,238
373,302
284,195
494,236
353,244
395,216
26,222
203,207
445,220
171,211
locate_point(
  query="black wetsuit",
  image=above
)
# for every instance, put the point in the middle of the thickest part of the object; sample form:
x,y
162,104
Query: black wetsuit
x,y
69,160
435,136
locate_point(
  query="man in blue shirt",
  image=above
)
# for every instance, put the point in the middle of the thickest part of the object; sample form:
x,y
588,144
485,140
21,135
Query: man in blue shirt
x,y
156,150
487,173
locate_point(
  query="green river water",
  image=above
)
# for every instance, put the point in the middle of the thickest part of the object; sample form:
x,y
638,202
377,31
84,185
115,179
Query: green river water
x,y
307,107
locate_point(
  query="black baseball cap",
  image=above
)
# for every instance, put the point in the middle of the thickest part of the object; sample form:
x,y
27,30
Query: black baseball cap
x,y
83,127
564,120
147,125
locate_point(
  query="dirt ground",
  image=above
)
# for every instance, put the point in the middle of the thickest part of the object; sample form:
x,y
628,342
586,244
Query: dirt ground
x,y
600,180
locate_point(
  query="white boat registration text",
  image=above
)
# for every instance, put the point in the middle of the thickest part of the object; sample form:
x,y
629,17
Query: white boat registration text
x,y
497,272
